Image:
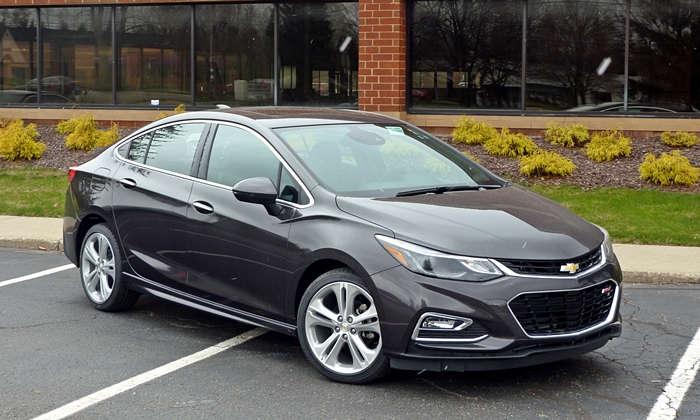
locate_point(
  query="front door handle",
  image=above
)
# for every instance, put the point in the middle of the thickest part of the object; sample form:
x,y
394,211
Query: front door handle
x,y
203,207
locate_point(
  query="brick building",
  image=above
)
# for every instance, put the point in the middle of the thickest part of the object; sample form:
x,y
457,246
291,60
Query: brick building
x,y
633,64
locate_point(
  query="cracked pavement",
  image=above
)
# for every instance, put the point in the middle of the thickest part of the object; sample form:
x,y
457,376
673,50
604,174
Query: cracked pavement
x,y
55,348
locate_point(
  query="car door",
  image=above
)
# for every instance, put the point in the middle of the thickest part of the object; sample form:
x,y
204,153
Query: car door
x,y
237,250
153,186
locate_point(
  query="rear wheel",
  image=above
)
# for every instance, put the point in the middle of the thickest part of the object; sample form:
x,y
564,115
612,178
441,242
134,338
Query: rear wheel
x,y
338,328
101,271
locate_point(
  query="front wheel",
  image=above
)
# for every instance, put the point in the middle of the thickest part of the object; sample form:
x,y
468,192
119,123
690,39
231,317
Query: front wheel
x,y
101,271
338,328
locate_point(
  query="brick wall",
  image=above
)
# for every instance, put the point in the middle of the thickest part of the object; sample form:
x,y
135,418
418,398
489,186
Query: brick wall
x,y
382,72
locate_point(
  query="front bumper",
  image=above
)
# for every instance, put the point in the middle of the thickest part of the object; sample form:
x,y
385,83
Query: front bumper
x,y
406,298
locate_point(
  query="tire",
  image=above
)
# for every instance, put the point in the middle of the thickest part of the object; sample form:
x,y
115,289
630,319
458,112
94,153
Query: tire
x,y
338,328
101,271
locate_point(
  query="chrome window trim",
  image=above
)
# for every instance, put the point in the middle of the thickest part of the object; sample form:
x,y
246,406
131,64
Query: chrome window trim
x,y
507,271
416,331
608,320
130,137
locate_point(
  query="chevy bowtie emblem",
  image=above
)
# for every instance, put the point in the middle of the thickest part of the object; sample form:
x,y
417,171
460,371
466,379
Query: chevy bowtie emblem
x,y
570,267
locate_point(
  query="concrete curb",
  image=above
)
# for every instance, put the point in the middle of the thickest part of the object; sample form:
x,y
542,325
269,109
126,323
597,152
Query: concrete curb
x,y
36,244
660,278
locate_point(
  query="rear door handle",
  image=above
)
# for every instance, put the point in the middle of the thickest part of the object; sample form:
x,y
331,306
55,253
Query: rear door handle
x,y
203,207
128,183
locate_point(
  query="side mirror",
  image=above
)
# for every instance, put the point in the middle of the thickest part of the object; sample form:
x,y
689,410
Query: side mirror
x,y
256,190
259,190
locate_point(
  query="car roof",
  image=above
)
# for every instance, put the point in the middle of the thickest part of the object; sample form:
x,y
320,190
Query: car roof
x,y
277,117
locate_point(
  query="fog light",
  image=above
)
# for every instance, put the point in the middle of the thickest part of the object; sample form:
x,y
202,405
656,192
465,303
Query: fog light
x,y
435,328
436,323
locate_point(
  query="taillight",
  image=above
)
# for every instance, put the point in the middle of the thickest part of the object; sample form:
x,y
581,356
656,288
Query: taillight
x,y
71,173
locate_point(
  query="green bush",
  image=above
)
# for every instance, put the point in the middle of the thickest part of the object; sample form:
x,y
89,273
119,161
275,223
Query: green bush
x,y
18,141
680,138
669,169
607,145
180,109
472,157
510,144
471,132
567,136
546,163
82,133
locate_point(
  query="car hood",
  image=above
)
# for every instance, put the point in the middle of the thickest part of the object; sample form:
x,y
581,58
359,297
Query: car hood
x,y
510,222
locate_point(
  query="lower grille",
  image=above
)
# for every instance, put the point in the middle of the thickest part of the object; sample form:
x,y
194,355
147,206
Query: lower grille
x,y
551,313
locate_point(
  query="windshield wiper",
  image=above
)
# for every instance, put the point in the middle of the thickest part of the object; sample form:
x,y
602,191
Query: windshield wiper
x,y
444,189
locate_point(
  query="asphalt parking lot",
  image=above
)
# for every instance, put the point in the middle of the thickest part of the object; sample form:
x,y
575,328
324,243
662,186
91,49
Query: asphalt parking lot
x,y
57,351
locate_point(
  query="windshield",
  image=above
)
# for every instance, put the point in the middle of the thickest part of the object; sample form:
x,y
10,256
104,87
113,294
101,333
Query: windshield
x,y
369,160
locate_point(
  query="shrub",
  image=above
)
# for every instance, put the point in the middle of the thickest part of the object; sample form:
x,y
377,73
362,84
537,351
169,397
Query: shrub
x,y
18,141
180,109
471,132
546,163
510,145
82,134
567,136
669,169
472,157
607,145
680,138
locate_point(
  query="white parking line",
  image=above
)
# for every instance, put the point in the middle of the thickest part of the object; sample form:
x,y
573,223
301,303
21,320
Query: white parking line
x,y
35,275
99,396
669,402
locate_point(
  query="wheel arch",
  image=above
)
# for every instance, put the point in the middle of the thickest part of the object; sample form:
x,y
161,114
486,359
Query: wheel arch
x,y
319,267
86,223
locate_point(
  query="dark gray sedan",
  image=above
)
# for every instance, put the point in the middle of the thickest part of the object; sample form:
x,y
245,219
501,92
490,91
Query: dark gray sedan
x,y
375,243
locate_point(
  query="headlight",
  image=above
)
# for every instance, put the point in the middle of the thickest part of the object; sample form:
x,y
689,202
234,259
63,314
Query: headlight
x,y
436,264
607,245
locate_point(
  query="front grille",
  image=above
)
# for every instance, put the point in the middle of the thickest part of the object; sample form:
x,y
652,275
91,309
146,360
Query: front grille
x,y
553,268
541,314
475,330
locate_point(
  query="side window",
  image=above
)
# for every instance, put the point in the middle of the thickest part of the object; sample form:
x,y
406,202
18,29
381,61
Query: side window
x,y
290,190
172,148
136,149
237,154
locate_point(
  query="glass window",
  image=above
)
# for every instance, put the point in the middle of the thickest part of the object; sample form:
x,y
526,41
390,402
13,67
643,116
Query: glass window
x,y
575,54
318,53
153,52
77,55
665,54
466,54
172,148
235,51
137,148
238,154
369,160
18,58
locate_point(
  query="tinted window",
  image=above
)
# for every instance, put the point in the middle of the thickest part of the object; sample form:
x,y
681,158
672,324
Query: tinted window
x,y
238,154
138,148
172,148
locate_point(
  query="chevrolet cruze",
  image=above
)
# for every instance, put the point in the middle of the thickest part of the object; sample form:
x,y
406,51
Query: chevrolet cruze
x,y
376,244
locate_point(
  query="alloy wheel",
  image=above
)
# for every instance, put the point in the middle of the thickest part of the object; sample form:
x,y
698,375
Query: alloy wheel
x,y
342,328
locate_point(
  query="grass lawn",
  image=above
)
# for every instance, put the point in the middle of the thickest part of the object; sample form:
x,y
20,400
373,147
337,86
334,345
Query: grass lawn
x,y
33,192
631,216
634,216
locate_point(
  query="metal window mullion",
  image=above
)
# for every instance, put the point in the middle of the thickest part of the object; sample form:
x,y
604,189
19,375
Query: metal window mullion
x,y
627,55
193,57
523,75
276,60
39,56
115,68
